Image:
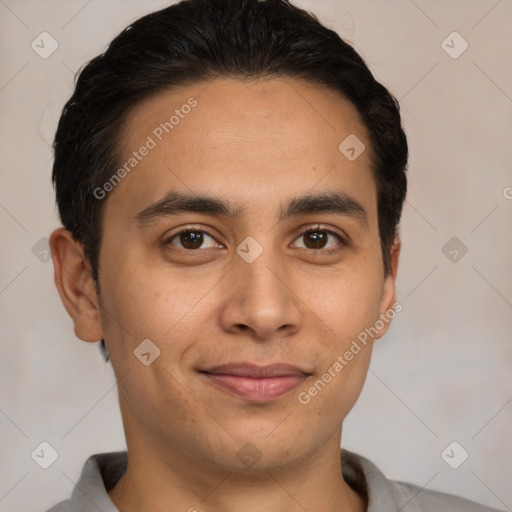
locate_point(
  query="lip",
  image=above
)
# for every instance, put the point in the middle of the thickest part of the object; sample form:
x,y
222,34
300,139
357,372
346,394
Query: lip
x,y
256,383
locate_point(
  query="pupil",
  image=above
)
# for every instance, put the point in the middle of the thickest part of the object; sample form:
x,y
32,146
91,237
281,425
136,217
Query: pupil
x,y
317,238
191,239
194,239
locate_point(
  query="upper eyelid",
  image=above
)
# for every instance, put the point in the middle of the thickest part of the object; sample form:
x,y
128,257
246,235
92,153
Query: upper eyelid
x,y
308,228
188,228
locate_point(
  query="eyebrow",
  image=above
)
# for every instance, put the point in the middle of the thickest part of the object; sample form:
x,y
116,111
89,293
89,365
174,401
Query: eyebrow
x,y
175,203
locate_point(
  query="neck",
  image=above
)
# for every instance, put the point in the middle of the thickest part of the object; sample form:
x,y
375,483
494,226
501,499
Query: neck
x,y
163,479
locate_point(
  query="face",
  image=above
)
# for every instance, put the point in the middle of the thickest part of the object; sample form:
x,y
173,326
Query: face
x,y
251,291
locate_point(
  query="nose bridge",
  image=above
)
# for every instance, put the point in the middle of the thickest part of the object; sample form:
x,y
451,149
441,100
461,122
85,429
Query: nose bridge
x,y
261,300
264,278
263,288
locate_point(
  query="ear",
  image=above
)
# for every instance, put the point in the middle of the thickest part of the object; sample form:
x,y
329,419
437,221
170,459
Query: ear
x,y
389,291
77,289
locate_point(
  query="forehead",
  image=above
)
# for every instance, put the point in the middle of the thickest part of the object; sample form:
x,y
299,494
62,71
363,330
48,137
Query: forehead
x,y
276,104
256,140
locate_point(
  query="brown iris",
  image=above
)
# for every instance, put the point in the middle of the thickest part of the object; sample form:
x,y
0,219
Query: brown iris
x,y
191,239
317,239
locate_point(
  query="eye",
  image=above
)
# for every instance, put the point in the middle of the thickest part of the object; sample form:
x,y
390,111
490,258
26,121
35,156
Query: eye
x,y
191,239
317,238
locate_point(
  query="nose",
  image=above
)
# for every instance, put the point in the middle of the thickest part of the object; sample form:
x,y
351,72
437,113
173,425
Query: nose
x,y
260,299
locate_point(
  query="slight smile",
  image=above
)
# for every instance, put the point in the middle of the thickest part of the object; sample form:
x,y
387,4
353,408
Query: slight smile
x,y
256,383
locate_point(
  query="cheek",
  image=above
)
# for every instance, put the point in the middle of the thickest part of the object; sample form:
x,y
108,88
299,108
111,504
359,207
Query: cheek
x,y
346,304
145,302
139,305
344,312
137,298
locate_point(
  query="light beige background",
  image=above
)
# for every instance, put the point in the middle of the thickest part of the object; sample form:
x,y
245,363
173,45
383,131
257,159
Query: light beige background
x,y
443,371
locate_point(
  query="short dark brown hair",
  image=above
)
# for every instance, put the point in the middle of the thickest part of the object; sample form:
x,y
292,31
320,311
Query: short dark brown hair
x,y
199,40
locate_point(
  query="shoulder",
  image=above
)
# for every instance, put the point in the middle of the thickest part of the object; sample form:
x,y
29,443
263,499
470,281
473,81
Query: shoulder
x,y
410,497
391,495
99,473
63,506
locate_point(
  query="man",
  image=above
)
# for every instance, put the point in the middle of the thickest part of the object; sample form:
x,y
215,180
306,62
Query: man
x,y
230,179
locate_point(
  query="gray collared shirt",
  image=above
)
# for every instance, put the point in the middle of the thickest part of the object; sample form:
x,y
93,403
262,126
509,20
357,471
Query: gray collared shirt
x,y
102,471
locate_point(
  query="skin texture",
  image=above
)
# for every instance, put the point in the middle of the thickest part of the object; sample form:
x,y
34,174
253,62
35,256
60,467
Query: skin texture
x,y
256,144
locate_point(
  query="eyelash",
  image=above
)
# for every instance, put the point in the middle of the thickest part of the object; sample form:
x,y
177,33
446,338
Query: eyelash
x,y
316,228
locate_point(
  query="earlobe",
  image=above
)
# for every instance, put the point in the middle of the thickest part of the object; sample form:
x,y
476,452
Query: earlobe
x,y
389,291
76,287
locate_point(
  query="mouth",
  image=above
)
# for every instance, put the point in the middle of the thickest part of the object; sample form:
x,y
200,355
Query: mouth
x,y
255,383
